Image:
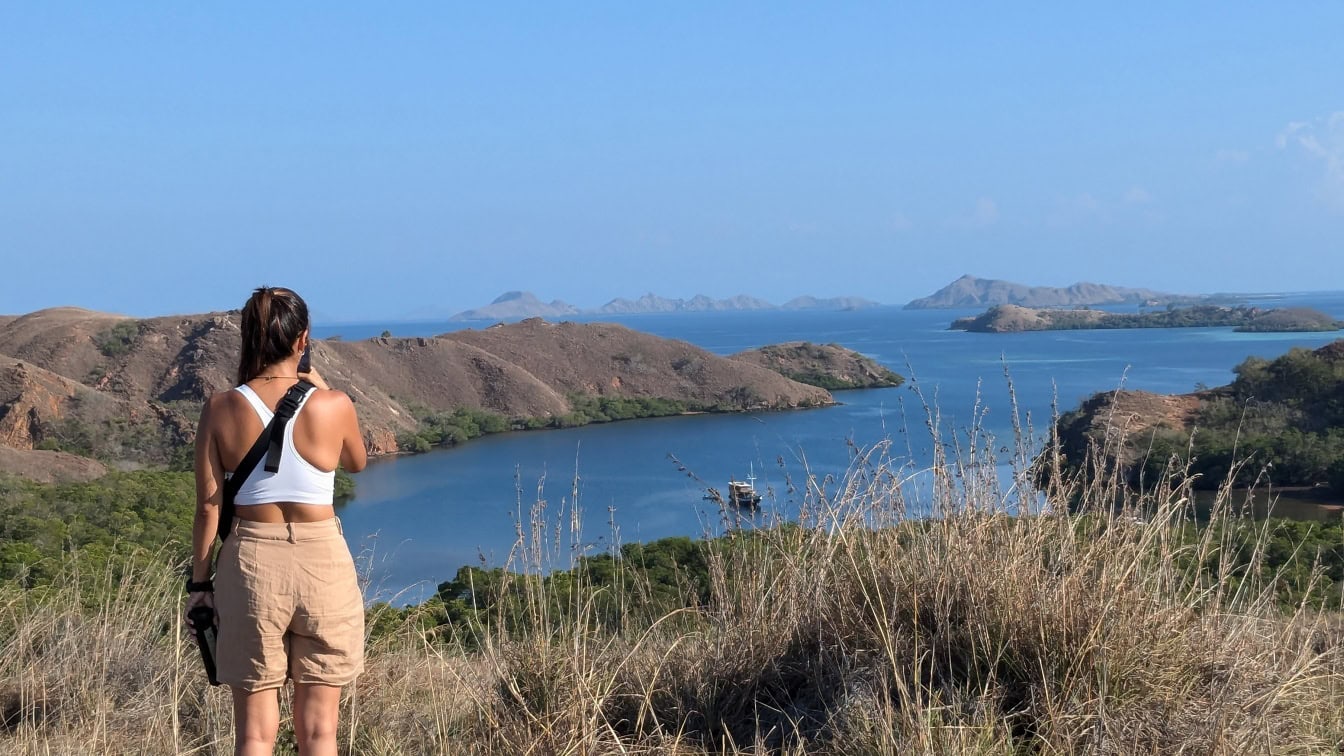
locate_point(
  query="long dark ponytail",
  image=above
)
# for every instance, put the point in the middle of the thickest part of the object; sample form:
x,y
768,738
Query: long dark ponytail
x,y
273,319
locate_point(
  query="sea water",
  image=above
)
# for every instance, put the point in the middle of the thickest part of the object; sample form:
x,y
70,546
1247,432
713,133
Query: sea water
x,y
417,519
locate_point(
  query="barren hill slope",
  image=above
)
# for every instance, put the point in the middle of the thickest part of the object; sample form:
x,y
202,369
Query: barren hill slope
x,y
117,388
605,359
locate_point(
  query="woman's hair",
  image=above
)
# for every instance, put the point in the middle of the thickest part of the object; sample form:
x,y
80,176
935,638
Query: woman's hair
x,y
273,319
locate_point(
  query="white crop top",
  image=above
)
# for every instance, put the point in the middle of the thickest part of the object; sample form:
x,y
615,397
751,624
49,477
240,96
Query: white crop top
x,y
297,481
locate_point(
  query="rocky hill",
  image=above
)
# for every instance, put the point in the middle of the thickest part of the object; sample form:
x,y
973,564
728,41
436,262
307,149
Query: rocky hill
x,y
1279,422
829,366
129,391
969,291
517,305
1014,319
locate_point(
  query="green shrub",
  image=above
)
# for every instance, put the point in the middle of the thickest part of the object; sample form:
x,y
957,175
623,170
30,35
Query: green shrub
x,y
118,339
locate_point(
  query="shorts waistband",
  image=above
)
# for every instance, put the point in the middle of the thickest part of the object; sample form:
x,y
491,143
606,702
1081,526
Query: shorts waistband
x,y
287,531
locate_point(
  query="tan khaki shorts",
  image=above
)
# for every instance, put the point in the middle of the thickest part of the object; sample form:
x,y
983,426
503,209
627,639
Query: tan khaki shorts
x,y
289,606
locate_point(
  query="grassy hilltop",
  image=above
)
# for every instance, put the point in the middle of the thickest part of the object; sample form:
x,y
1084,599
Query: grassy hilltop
x,y
1082,610
852,631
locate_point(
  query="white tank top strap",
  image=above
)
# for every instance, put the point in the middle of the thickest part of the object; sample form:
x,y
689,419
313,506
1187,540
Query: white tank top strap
x,y
262,410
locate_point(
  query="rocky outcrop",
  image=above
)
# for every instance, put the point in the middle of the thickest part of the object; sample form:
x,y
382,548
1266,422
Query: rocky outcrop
x,y
828,366
34,401
1120,424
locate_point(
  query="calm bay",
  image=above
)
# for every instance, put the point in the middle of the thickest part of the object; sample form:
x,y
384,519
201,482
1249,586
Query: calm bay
x,y
416,519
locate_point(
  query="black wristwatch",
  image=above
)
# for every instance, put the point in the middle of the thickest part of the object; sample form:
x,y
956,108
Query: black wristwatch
x,y
205,586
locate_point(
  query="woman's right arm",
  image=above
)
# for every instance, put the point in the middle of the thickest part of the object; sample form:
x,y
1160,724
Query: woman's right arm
x,y
353,454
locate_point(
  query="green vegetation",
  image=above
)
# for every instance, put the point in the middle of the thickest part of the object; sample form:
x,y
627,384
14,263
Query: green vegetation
x,y
603,409
450,428
139,515
118,339
344,486
836,383
131,514
1279,421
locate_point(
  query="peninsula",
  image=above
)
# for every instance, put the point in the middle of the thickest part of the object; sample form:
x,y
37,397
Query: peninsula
x,y
77,385
1015,319
1276,424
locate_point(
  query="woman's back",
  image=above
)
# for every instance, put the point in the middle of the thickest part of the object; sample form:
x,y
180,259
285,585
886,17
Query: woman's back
x,y
325,434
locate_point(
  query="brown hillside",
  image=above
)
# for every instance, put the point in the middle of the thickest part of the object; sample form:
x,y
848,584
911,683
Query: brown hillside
x,y
829,366
34,400
127,389
59,339
1120,424
49,466
606,359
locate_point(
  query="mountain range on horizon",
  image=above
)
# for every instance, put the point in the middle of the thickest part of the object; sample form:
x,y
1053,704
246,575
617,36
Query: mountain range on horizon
x,y
969,291
514,305
965,292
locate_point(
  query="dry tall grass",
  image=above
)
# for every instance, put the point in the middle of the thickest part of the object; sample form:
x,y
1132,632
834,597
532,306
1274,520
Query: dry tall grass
x,y
985,630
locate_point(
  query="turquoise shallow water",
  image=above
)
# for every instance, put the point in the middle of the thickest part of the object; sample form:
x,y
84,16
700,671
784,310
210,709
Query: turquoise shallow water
x,y
417,519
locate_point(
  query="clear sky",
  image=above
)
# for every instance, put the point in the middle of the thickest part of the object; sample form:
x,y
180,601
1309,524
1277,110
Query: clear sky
x,y
398,159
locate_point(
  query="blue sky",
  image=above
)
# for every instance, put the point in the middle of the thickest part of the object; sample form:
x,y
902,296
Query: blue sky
x,y
396,159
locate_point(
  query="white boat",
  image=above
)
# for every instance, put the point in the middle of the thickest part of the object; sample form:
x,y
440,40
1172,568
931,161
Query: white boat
x,y
742,493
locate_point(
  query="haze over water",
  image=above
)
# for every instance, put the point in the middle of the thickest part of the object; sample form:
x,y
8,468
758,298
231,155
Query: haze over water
x,y
417,519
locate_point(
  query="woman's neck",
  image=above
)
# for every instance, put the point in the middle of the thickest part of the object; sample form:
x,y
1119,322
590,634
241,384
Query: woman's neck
x,y
276,371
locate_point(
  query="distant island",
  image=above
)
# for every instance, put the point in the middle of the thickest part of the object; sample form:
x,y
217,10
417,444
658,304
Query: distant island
x,y
519,305
969,291
1015,319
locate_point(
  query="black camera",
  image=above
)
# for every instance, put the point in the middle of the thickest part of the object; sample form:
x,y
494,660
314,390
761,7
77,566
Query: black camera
x,y
203,621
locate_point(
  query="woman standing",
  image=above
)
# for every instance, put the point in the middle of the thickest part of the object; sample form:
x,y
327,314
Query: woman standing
x,y
285,594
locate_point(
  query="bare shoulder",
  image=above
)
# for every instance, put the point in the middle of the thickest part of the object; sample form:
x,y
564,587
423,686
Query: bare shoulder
x,y
331,402
221,404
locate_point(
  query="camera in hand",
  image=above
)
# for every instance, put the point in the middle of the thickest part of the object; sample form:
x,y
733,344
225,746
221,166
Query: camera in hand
x,y
203,621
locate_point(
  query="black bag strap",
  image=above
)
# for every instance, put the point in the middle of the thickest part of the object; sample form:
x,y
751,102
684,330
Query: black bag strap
x,y
272,438
284,412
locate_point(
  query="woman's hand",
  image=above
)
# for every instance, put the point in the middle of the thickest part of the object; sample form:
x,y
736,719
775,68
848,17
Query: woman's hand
x,y
195,599
315,378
